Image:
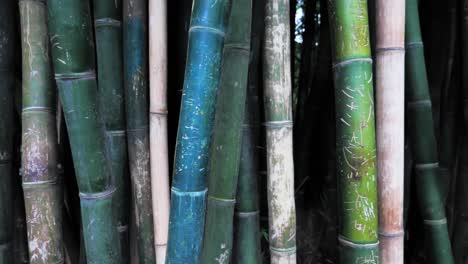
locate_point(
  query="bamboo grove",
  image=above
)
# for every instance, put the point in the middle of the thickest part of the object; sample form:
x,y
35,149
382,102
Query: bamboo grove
x,y
233,131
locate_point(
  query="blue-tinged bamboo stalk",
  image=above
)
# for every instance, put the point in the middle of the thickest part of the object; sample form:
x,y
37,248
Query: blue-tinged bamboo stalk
x,y
137,108
279,124
202,74
72,42
108,32
7,85
39,163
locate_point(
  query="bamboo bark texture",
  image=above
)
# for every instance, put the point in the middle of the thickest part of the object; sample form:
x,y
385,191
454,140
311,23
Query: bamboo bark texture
x,y
71,38
136,95
158,124
355,132
227,133
278,123
7,85
390,120
39,166
424,147
202,74
108,32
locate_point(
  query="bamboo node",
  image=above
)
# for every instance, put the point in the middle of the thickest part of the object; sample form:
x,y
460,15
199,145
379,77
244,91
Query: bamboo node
x,y
99,195
346,62
442,221
392,235
221,200
419,103
39,184
412,45
278,124
426,166
101,22
390,49
76,75
283,251
347,243
212,30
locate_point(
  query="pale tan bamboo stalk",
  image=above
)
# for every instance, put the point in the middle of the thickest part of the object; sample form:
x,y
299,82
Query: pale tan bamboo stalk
x,y
390,69
278,122
158,125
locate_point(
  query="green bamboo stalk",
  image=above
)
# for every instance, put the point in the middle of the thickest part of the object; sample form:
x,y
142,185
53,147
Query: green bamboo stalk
x,y
355,131
71,38
137,107
423,142
7,85
278,122
227,132
41,183
108,31
246,248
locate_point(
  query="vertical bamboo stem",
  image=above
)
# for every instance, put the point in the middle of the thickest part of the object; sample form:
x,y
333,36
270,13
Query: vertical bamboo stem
x,y
355,131
108,31
71,38
7,66
158,124
278,122
227,132
423,141
390,107
41,183
202,74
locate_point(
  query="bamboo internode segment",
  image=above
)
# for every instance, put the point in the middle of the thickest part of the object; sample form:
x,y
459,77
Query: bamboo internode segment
x,y
108,32
41,183
355,131
135,16
71,39
8,43
278,117
390,107
227,133
158,124
424,146
196,121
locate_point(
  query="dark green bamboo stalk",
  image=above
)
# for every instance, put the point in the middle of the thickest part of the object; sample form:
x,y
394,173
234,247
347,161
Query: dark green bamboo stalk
x,y
246,248
355,131
423,142
108,31
137,106
278,123
202,74
227,133
70,28
7,86
41,182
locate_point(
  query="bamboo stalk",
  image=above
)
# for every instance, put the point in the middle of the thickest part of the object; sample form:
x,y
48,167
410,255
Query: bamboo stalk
x,y
202,74
278,122
355,131
41,182
7,85
158,124
423,142
108,31
227,133
70,28
136,95
246,248
390,107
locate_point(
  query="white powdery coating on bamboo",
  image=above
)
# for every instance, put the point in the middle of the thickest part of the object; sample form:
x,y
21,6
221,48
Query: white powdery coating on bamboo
x,y
280,185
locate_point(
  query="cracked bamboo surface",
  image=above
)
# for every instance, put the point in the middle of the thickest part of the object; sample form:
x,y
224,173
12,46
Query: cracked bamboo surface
x,y
390,107
39,166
